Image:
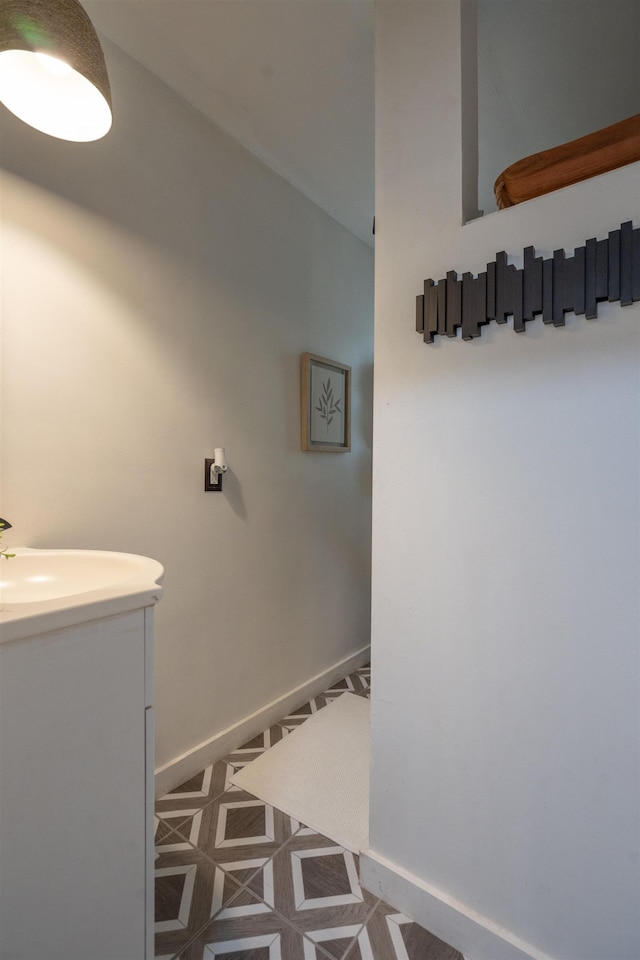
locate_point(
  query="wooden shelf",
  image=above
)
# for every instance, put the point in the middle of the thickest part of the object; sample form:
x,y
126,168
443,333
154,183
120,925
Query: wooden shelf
x,y
571,162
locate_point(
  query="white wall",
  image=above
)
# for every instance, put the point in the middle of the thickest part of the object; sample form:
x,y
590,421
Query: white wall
x,y
506,558
158,288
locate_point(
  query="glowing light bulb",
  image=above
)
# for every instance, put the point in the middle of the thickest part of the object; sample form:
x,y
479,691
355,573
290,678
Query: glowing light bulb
x,y
51,96
53,64
52,69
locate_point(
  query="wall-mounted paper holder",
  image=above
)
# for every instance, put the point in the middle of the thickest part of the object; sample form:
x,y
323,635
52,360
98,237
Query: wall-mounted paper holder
x,y
214,468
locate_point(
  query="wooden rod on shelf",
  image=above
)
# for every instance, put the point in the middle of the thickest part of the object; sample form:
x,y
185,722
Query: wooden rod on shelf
x,y
549,170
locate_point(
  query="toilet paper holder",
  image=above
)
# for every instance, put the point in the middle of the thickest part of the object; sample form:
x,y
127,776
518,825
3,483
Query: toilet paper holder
x,y
214,468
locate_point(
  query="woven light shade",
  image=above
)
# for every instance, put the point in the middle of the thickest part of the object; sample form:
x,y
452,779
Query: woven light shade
x,y
52,70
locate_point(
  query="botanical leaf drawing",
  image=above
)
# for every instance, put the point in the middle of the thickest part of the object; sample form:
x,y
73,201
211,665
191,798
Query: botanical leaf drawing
x,y
328,406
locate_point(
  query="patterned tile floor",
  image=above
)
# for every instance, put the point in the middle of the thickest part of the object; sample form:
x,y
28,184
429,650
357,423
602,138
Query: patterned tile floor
x,y
237,879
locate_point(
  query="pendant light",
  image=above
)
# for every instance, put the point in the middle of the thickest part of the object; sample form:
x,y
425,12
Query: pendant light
x,y
52,70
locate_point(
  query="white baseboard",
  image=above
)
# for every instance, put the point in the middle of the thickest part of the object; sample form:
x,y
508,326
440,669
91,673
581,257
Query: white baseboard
x,y
475,936
220,744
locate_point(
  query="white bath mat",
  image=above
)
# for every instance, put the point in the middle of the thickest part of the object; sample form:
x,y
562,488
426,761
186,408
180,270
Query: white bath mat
x,y
319,774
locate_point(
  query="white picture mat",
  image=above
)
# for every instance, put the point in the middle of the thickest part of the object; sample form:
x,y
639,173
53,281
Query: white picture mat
x,y
321,430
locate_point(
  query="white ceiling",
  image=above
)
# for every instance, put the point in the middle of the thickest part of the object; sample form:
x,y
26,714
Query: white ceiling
x,y
291,80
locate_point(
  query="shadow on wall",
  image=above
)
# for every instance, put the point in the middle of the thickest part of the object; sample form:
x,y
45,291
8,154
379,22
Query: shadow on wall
x,y
232,492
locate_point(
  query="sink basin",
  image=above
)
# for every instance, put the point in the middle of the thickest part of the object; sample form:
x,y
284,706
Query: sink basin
x,y
34,575
59,583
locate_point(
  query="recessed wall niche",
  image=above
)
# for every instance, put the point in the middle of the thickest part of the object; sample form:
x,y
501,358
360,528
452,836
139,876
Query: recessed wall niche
x,y
549,71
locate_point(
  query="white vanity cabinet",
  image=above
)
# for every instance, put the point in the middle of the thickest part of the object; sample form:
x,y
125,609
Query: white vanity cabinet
x,y
76,791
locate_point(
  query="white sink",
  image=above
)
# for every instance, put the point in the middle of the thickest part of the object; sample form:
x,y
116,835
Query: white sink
x,y
34,575
60,583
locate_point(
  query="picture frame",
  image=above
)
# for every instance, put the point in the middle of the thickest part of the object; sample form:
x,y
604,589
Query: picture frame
x,y
325,405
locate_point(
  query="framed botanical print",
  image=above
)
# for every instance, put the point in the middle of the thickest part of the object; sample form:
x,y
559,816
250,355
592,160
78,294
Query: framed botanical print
x,y
326,405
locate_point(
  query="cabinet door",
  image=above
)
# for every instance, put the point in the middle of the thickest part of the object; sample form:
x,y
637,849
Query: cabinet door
x,y
72,793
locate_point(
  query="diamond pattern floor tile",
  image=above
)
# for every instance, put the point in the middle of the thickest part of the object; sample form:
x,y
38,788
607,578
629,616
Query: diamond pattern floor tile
x,y
236,879
346,685
258,744
389,935
236,828
198,791
189,890
302,713
254,936
314,884
361,681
